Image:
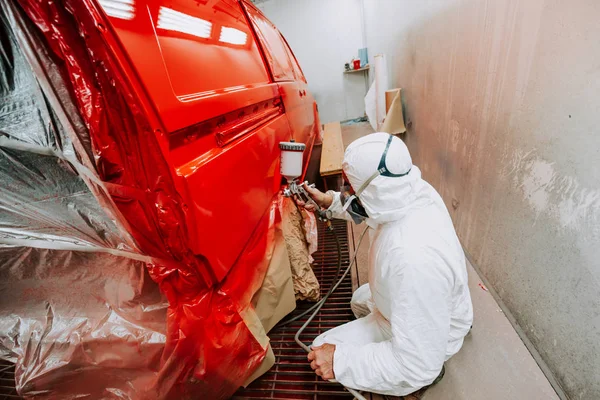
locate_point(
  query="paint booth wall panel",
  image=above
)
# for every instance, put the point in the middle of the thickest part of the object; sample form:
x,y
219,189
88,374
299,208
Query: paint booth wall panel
x,y
503,106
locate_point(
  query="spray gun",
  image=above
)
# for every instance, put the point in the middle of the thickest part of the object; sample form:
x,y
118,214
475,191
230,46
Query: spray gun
x,y
291,169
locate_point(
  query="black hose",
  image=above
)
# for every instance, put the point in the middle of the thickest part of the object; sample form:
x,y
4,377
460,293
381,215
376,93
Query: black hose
x,y
337,274
331,289
335,282
320,304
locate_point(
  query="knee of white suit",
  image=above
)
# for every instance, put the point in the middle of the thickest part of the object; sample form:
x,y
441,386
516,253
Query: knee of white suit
x,y
361,303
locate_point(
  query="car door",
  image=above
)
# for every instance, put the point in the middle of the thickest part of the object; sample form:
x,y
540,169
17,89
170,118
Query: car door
x,y
222,113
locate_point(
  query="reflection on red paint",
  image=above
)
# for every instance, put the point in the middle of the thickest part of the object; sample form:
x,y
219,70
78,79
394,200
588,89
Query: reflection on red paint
x,y
176,21
121,9
232,36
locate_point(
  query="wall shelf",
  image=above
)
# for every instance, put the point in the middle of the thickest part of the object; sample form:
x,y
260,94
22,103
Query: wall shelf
x,y
365,68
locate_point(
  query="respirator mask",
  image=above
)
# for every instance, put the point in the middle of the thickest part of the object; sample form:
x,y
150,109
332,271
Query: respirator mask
x,y
350,199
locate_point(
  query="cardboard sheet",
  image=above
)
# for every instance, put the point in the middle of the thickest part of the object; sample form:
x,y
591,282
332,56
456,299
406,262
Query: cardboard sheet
x,y
394,120
275,298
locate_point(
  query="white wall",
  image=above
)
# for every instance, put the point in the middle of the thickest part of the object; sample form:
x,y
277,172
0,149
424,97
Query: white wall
x,y
324,35
504,100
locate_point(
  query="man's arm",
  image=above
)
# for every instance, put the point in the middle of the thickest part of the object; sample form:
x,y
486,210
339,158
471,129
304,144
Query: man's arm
x,y
420,322
336,207
329,201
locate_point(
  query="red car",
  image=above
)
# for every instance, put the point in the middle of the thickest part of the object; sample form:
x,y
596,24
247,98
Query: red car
x,y
169,114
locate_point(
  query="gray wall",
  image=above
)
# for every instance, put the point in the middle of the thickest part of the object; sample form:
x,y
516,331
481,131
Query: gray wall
x,y
324,35
504,101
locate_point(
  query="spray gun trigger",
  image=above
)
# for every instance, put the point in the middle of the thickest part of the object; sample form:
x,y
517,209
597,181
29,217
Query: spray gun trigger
x,y
295,189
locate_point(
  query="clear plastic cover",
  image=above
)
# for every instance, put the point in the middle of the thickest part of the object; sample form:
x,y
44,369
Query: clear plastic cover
x,y
101,296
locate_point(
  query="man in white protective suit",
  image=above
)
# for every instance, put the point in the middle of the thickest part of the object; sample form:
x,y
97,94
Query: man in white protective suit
x,y
415,311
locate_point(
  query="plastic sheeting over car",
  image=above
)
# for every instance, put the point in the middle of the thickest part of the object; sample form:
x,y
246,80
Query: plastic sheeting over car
x,y
101,294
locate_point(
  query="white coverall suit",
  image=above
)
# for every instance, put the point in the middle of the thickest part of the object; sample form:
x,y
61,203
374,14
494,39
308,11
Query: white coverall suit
x,y
416,309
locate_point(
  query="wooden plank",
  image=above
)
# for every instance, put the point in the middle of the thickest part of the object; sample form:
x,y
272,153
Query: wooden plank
x,y
332,153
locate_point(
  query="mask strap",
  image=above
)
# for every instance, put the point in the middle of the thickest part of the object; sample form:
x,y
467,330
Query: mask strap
x,y
382,168
367,182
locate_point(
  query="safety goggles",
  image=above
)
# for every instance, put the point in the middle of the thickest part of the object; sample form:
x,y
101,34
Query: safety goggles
x,y
350,200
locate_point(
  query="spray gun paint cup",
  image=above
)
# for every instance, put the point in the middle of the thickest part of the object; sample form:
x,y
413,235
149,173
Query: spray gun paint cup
x,y
291,160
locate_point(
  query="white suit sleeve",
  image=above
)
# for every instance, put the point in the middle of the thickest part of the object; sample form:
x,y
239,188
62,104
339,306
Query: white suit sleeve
x,y
336,207
420,324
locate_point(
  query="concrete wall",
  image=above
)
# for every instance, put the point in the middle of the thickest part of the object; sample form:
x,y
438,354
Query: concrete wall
x,y
503,98
324,35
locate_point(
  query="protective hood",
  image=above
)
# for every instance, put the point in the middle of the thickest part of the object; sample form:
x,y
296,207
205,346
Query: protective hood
x,y
385,198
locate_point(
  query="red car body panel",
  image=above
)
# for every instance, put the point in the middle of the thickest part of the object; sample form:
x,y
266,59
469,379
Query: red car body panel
x,y
224,106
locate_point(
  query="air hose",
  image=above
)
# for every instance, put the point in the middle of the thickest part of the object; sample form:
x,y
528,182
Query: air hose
x,y
334,285
337,274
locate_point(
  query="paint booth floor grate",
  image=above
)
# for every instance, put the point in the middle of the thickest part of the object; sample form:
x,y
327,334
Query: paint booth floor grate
x,y
7,381
291,377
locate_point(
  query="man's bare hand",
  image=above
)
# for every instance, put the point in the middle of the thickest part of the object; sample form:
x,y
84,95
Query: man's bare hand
x,y
321,358
324,200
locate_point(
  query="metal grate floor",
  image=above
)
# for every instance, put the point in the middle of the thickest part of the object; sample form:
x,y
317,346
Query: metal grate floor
x,y
291,377
7,381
